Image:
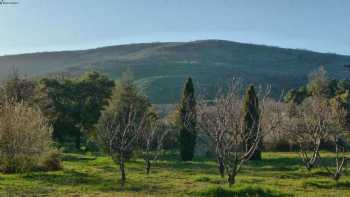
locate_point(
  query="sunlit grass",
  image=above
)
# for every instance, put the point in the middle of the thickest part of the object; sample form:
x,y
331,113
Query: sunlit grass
x,y
279,174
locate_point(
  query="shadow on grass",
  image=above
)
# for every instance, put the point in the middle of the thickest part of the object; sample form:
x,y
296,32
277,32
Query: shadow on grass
x,y
67,177
75,157
109,168
300,174
283,162
279,164
327,184
93,182
214,180
239,191
189,167
23,192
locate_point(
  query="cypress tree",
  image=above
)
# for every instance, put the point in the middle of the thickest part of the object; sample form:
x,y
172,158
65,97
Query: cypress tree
x,y
187,122
251,119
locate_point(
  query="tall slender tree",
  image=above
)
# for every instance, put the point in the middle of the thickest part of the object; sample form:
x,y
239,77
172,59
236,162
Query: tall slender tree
x,y
187,122
251,119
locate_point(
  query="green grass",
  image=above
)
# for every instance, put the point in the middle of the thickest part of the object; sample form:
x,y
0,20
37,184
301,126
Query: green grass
x,y
279,174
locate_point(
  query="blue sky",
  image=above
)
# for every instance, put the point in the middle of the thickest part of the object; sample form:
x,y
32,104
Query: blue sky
x,y
51,25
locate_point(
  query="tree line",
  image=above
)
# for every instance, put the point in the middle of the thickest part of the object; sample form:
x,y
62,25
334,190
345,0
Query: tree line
x,y
92,112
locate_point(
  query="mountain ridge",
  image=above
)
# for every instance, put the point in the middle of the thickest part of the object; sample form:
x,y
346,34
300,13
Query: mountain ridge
x,y
150,43
161,67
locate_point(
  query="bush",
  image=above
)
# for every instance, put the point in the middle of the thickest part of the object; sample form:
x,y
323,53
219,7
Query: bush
x,y
51,161
25,137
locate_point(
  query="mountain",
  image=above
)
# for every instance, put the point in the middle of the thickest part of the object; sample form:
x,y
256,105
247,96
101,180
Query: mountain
x,y
161,68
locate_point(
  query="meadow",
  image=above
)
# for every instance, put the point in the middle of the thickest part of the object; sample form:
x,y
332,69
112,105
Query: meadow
x,y
278,174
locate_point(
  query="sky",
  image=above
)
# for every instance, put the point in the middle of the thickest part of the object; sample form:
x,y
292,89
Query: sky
x,y
55,25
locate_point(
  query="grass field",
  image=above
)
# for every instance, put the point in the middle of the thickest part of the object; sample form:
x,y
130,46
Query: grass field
x,y
279,174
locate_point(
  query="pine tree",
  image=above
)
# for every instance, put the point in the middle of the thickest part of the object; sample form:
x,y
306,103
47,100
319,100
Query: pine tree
x,y
251,119
187,122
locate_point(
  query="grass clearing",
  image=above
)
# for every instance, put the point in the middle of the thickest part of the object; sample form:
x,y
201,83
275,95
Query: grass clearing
x,y
279,174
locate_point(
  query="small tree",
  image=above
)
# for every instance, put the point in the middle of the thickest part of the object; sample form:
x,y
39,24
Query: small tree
x,y
152,138
221,120
312,125
341,158
122,122
251,119
209,123
187,122
338,135
120,136
272,123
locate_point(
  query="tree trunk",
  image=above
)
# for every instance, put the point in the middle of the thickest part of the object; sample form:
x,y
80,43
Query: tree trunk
x,y
336,177
221,166
148,166
231,179
77,141
256,156
122,172
257,153
309,166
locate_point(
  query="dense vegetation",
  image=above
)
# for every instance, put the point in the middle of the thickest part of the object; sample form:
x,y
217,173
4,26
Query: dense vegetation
x,y
40,120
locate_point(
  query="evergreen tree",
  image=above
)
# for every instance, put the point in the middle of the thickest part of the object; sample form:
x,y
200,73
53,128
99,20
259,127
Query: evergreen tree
x,y
251,119
187,122
74,105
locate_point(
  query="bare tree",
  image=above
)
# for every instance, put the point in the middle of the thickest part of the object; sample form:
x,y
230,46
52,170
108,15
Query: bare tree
x,y
208,122
338,137
119,137
17,88
151,140
341,158
310,126
222,121
272,121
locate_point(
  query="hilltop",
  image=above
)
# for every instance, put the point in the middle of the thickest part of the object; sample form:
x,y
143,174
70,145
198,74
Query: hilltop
x,y
161,68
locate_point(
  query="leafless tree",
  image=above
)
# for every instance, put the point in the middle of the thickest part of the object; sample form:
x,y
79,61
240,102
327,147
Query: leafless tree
x,y
310,126
221,120
338,137
119,137
17,88
272,121
341,159
151,140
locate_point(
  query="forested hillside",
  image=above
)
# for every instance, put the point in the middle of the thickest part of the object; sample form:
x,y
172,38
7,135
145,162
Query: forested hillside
x,y
161,68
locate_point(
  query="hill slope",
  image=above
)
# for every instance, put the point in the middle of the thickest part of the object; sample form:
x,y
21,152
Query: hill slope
x,y
161,68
